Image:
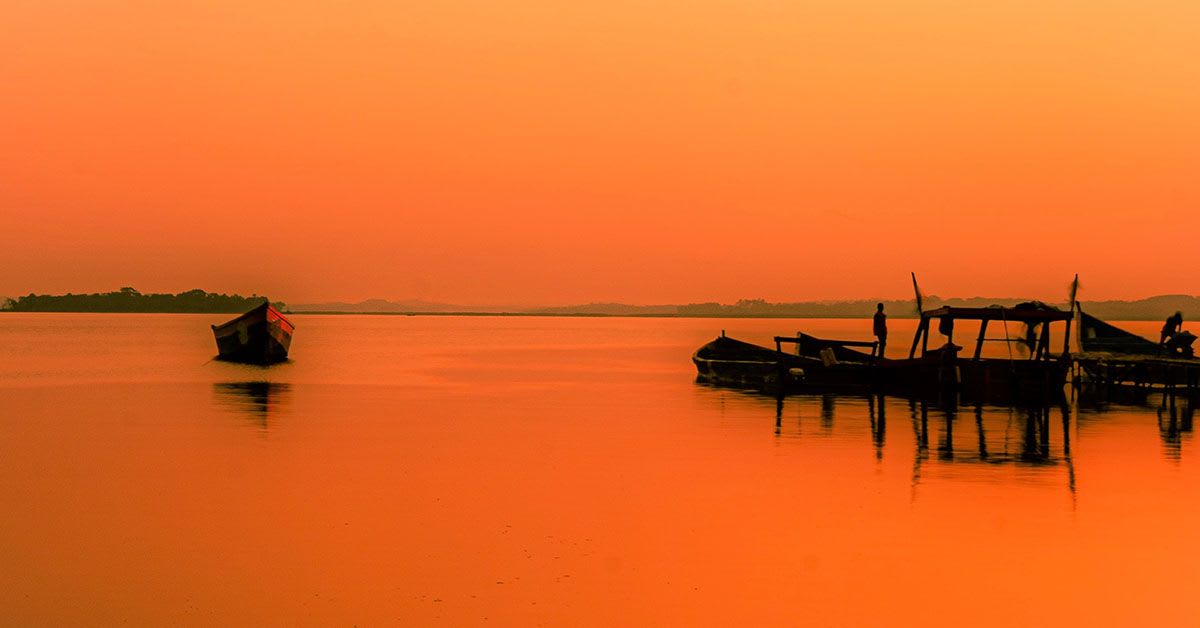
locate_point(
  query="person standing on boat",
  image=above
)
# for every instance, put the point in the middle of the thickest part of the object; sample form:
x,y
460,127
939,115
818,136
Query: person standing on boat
x,y
880,328
1171,327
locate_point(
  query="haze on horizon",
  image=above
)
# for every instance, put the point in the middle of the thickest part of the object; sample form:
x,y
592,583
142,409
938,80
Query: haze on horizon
x,y
544,153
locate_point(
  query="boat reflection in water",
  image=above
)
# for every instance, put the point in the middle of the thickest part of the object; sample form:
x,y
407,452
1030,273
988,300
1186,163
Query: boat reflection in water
x,y
1023,436
1002,435
1175,412
1174,423
254,400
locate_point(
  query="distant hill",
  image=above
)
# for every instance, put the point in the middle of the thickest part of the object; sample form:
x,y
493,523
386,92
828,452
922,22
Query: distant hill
x,y
411,306
608,309
1153,308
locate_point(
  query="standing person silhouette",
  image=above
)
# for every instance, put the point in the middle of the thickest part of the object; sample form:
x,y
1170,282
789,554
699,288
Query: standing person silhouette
x,y
1171,327
880,328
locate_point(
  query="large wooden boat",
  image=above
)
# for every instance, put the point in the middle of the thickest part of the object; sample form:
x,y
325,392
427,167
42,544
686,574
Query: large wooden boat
x,y
260,336
819,365
1032,371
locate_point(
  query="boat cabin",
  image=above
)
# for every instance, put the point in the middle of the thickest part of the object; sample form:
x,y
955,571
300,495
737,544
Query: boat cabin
x,y
1032,321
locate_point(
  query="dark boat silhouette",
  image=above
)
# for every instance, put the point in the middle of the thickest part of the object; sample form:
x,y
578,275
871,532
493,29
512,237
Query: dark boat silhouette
x,y
832,365
1097,336
260,336
730,362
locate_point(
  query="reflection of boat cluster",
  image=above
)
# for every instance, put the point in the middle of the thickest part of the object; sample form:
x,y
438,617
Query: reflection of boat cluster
x,y
1035,434
945,433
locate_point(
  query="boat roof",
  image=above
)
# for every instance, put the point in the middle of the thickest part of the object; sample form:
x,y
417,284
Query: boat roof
x,y
266,305
1098,336
1022,313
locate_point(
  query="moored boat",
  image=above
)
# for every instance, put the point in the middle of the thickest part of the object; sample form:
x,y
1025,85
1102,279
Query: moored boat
x,y
1099,337
819,365
816,364
261,336
730,362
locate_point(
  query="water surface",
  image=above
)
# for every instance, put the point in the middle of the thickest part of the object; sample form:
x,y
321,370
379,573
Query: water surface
x,y
557,471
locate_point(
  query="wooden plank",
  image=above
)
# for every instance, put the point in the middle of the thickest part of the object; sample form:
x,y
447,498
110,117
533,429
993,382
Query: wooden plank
x,y
822,341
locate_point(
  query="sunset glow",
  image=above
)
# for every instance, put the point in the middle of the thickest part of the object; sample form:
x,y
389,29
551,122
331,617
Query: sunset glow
x,y
537,152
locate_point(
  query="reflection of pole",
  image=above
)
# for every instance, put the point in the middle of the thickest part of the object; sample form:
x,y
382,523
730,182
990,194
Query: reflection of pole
x,y
1171,436
881,428
871,412
1031,443
827,406
921,436
983,453
946,447
1066,425
778,415
1044,425
924,426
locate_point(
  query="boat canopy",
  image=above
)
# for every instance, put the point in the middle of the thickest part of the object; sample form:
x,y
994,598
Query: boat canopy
x,y
1023,313
1035,315
1096,335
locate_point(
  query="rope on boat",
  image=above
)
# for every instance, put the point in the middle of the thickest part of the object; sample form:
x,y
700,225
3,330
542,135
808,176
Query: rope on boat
x,y
1007,341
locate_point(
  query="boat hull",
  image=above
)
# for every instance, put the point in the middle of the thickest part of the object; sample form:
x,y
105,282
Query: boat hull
x,y
729,362
994,380
260,336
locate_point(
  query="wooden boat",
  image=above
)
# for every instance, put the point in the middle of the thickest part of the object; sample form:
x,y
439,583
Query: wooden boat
x,y
1097,336
729,362
817,364
820,365
260,336
1039,373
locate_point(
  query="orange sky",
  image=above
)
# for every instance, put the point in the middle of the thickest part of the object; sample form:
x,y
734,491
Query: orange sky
x,y
538,151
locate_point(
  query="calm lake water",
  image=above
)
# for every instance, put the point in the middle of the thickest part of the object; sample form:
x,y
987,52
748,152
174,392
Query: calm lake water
x,y
557,471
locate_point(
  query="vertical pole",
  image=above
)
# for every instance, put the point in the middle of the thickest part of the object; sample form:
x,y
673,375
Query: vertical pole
x,y
912,353
1043,345
979,343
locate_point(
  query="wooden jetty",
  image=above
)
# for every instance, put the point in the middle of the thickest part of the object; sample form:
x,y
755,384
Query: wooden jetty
x,y
1111,357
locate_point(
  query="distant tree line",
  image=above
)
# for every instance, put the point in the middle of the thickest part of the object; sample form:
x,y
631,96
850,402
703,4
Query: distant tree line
x,y
817,309
130,300
1152,308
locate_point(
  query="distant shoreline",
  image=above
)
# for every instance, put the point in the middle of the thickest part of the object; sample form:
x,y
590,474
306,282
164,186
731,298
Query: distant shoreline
x,y
128,300
551,315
